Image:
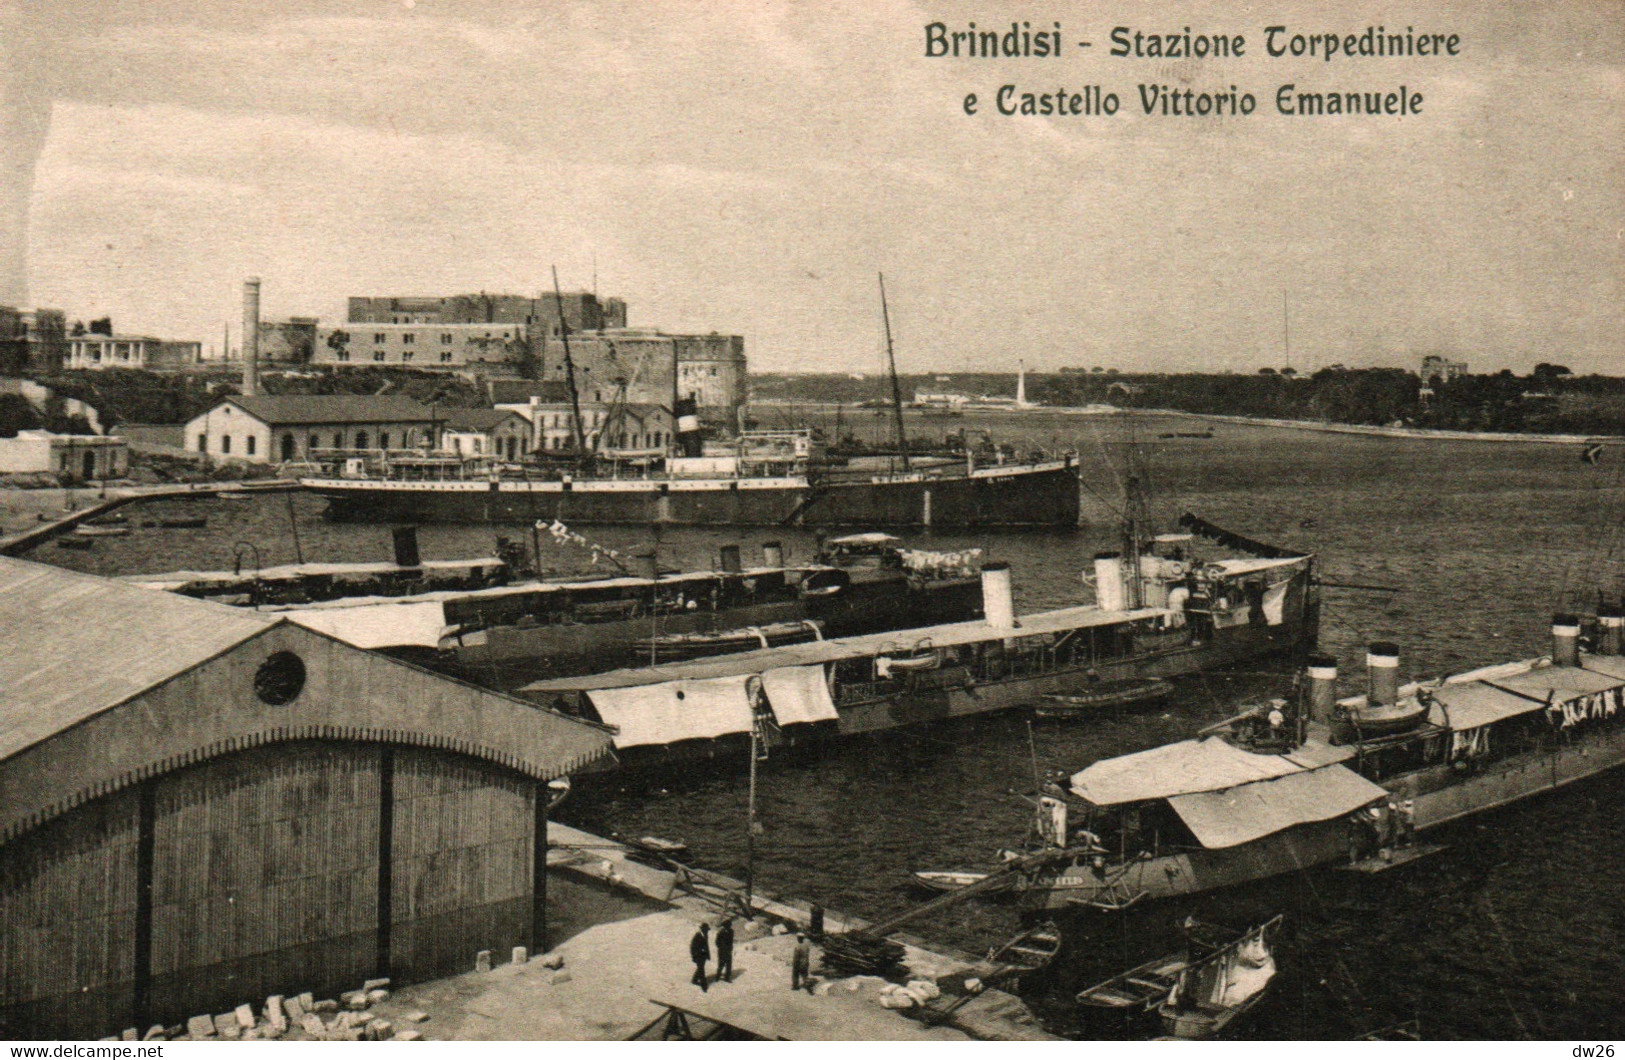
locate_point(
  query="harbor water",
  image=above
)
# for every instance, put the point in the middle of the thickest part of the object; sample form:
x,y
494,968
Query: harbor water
x,y
1514,931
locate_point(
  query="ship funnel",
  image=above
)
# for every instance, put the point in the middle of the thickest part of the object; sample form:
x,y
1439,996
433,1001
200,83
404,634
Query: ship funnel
x,y
1382,666
1611,630
998,606
1322,673
1565,640
772,554
251,337
690,440
648,565
730,559
1109,594
406,547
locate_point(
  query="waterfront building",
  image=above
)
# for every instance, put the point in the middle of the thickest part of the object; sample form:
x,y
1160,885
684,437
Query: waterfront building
x,y
583,311
503,433
98,352
33,342
631,426
203,805
438,347
79,457
266,429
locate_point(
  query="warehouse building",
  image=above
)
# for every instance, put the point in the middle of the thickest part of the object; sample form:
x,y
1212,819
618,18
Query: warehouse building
x,y
201,806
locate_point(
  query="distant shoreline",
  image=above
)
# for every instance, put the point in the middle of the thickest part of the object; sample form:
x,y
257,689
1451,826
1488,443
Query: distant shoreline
x,y
1414,433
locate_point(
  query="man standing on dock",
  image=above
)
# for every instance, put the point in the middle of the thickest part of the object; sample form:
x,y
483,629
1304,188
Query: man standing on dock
x,y
699,950
725,951
801,965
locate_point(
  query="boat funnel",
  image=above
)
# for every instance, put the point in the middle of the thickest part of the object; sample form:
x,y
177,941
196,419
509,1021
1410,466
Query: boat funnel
x,y
1611,632
772,554
998,606
690,439
648,565
1109,595
1382,666
1322,673
406,547
1565,639
730,559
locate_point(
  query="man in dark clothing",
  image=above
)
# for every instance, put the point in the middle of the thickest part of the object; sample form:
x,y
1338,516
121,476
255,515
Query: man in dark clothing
x,y
801,965
725,951
699,950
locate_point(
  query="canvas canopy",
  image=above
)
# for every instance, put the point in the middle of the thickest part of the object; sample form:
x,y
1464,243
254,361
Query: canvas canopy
x,y
677,710
373,626
1607,665
1236,567
1469,706
1241,814
798,695
1558,683
1176,769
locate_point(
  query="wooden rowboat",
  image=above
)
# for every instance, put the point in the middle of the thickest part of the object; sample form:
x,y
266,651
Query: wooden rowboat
x,y
1032,950
944,882
1103,696
95,530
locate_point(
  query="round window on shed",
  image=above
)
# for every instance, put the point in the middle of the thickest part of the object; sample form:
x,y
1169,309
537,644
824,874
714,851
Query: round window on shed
x,y
280,678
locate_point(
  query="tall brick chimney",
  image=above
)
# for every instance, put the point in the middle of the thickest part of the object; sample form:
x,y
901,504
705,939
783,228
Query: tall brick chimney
x,y
251,336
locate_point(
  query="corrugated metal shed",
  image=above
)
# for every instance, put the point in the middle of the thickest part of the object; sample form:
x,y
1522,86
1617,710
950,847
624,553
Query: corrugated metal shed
x,y
73,645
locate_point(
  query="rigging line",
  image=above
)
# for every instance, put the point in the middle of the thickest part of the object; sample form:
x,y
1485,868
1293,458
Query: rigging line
x,y
1506,944
1500,983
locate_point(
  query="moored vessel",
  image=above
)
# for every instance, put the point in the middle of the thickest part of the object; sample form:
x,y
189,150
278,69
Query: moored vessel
x,y
1315,780
1166,613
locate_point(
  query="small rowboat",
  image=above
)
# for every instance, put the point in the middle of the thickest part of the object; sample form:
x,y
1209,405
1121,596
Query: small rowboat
x,y
1138,989
722,642
74,542
1032,950
1103,696
1215,990
94,530
191,522
952,881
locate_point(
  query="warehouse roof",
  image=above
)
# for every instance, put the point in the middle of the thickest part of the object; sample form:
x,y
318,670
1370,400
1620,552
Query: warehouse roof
x,y
333,408
72,645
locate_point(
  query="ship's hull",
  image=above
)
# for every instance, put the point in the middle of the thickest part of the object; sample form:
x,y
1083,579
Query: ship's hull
x,y
1027,495
952,693
508,656
1439,796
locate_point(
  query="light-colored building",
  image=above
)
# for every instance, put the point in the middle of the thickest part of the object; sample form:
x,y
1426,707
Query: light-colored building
x,y
433,347
286,428
630,426
502,433
583,310
80,457
1438,370
97,352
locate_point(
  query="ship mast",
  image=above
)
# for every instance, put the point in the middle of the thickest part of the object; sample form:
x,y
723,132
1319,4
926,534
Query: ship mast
x,y
891,365
570,374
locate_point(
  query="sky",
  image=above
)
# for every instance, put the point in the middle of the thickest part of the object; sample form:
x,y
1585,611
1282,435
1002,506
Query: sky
x,y
750,167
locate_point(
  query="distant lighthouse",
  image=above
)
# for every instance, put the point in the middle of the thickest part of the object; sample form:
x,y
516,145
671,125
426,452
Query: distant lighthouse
x,y
1021,385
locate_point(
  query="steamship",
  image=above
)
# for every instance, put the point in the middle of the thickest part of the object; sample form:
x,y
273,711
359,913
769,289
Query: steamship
x,y
762,479
1315,780
1160,612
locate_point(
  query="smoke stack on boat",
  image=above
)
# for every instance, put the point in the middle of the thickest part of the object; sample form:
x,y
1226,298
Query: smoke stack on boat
x,y
647,562
772,554
1565,639
406,547
998,605
1611,632
1382,667
1322,673
1109,594
690,441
